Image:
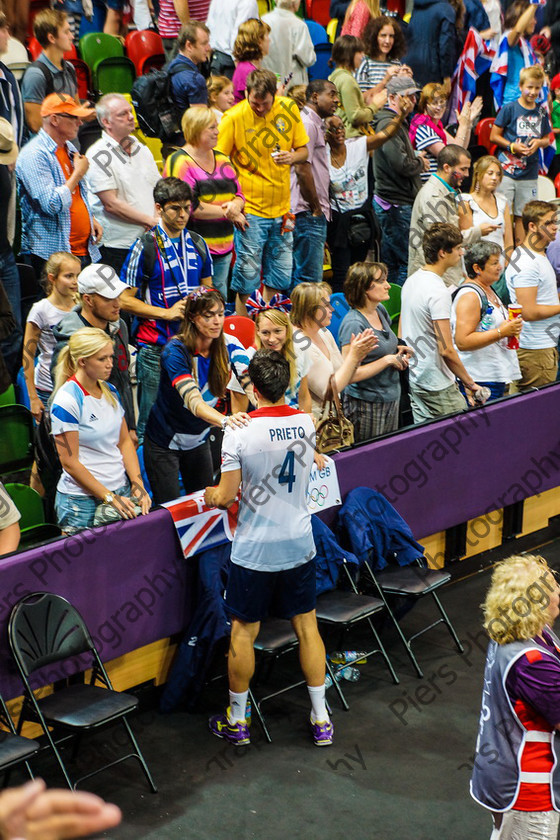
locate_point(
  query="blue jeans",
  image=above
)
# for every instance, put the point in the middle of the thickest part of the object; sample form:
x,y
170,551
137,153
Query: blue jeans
x,y
262,246
309,248
147,374
74,513
11,347
395,227
221,274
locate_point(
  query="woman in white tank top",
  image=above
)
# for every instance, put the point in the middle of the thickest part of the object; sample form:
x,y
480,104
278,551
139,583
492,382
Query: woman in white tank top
x,y
483,206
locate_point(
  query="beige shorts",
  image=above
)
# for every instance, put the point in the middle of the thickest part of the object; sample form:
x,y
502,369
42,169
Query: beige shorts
x,y
427,405
538,368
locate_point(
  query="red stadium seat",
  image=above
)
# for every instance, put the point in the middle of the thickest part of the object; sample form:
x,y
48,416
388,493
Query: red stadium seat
x,y
318,10
145,49
36,49
482,131
35,7
398,6
83,77
242,328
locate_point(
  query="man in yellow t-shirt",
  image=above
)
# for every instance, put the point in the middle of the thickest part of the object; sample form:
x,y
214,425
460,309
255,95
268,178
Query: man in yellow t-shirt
x,y
263,136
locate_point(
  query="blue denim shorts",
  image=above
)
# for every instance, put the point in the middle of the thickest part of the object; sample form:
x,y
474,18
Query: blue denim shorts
x,y
74,513
262,247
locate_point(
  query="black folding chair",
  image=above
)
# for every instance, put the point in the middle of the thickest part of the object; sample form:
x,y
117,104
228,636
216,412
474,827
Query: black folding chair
x,y
345,609
413,581
45,629
14,748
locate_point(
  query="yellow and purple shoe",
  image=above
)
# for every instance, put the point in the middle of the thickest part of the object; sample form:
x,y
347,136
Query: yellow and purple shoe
x,y
236,733
323,732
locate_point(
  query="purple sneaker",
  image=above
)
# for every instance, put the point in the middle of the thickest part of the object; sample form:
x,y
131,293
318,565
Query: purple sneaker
x,y
236,733
323,733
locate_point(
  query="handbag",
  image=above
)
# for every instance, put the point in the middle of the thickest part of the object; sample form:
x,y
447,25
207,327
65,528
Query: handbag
x,y
360,225
334,430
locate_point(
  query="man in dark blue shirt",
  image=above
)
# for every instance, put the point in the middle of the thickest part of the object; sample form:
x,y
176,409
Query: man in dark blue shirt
x,y
189,86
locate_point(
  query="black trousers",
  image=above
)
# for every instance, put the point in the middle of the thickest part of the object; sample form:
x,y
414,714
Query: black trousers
x,y
164,465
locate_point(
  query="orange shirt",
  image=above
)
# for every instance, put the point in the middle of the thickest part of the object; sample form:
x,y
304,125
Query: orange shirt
x,y
80,222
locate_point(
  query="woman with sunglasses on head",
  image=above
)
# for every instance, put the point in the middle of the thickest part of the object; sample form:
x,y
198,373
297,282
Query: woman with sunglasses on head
x,y
196,366
348,166
427,132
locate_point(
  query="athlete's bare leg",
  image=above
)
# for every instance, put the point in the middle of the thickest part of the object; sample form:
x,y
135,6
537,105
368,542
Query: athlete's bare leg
x,y
241,657
311,648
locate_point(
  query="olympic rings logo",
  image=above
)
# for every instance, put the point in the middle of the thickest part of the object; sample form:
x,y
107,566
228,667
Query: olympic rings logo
x,y
318,496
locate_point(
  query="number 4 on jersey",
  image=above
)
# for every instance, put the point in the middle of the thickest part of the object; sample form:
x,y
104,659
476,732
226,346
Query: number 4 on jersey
x,y
287,473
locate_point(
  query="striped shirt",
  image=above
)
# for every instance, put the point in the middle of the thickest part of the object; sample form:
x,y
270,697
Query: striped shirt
x,y
371,73
425,136
214,188
168,22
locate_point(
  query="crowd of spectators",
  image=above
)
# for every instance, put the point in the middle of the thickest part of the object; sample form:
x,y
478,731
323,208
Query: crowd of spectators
x,y
276,192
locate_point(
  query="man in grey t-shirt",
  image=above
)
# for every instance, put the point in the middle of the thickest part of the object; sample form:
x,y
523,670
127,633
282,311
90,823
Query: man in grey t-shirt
x,y
50,73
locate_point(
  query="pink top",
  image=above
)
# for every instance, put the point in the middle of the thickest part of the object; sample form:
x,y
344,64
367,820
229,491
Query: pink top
x,y
168,22
357,21
240,79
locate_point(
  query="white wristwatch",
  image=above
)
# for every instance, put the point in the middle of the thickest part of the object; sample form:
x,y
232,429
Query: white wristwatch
x,y
108,498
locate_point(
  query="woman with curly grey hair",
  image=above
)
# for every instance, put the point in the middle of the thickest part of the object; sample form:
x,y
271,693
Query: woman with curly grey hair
x,y
516,773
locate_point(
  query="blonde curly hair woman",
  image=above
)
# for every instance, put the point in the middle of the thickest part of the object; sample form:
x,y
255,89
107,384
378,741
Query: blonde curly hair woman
x,y
516,774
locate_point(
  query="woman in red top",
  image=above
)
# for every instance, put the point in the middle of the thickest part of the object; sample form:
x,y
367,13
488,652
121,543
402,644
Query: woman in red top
x,y
358,15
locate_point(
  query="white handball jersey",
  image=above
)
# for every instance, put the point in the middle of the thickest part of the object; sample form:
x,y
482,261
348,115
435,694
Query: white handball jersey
x,y
275,455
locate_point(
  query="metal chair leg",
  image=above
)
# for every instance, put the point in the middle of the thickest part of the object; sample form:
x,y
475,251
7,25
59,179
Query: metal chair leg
x,y
448,623
336,684
140,756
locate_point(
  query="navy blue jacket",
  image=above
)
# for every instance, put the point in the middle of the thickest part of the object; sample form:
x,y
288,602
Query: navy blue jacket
x,y
7,85
376,531
329,557
209,625
432,41
475,16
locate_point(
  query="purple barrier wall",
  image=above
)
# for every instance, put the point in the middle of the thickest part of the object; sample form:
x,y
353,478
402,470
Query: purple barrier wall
x,y
132,585
451,471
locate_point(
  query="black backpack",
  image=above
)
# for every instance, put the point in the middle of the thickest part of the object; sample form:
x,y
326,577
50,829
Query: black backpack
x,y
157,112
68,70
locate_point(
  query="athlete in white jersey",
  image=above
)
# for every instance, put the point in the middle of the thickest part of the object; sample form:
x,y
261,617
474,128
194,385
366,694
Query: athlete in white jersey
x,y
272,569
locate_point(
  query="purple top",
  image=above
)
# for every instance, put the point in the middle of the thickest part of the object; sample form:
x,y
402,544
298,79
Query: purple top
x,y
553,254
537,682
240,79
318,158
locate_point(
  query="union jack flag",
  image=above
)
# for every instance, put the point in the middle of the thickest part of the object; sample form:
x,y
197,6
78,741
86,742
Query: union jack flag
x,y
499,68
476,59
200,527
